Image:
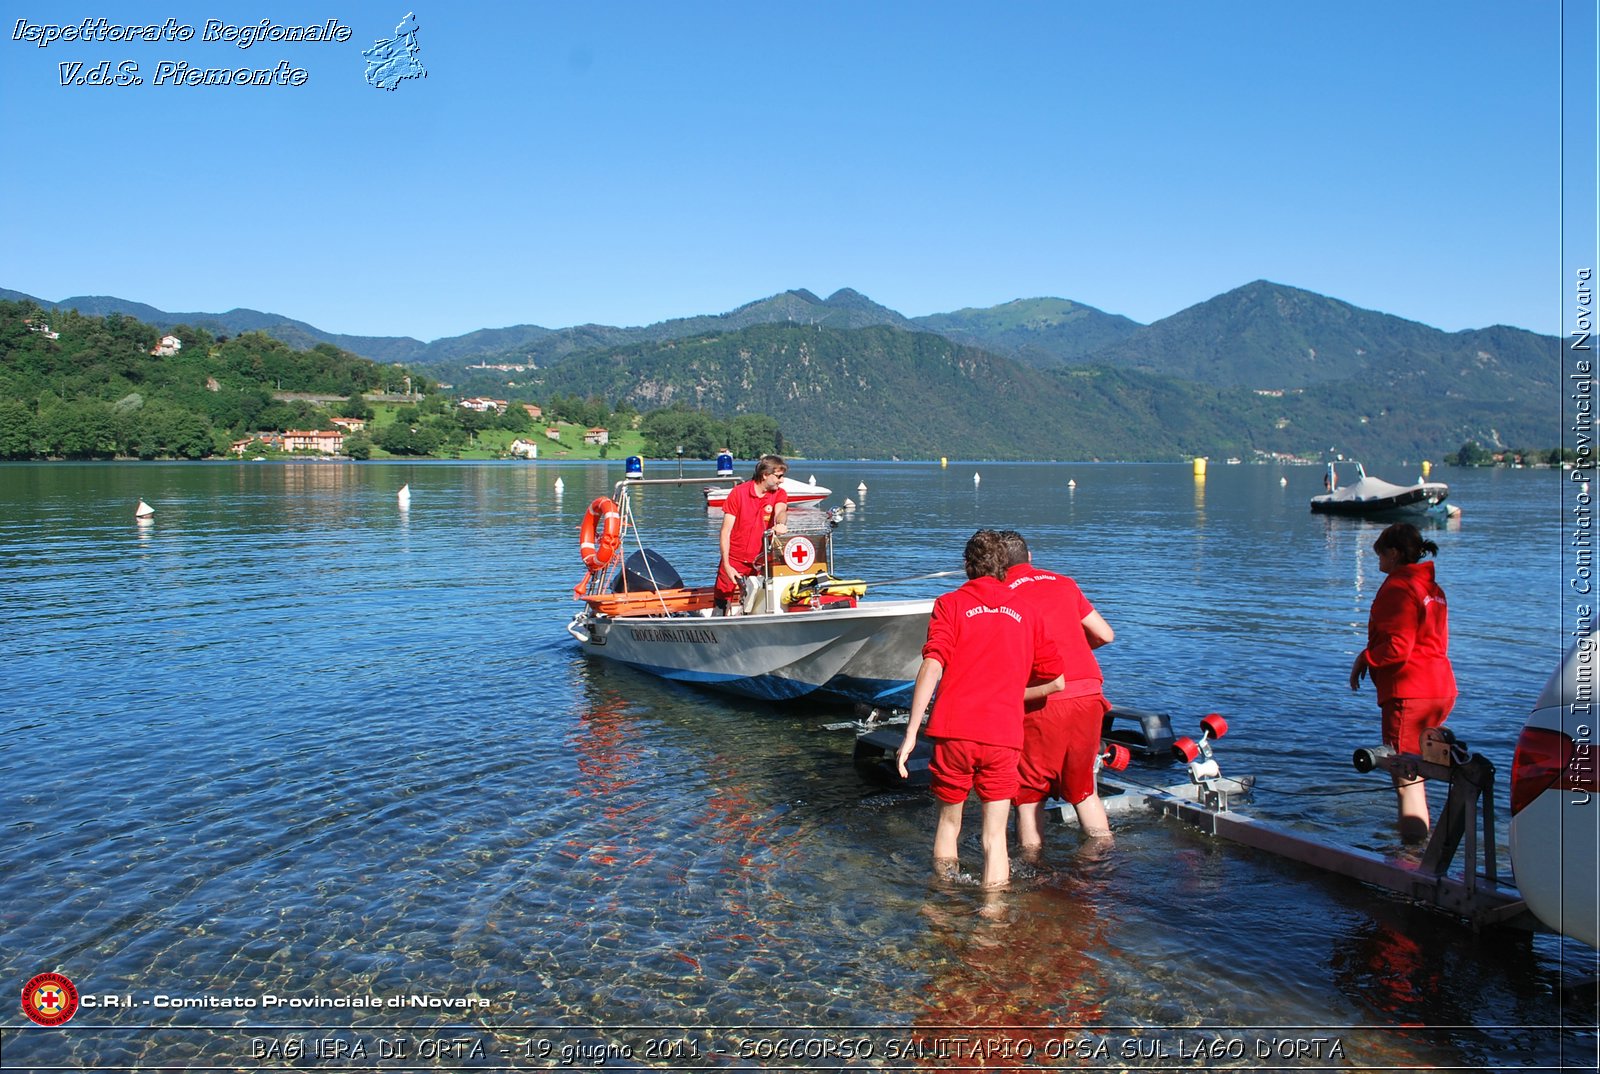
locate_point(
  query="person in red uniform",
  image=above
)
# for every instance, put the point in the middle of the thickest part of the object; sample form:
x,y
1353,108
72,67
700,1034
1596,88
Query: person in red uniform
x,y
1061,734
983,649
1408,657
752,508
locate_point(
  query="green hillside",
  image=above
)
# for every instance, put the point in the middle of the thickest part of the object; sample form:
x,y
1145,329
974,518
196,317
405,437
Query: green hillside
x,y
1041,332
1261,370
74,386
1266,335
880,392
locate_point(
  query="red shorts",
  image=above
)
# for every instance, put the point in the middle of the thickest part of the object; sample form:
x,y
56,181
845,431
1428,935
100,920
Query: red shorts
x,y
725,589
959,765
1059,744
1405,718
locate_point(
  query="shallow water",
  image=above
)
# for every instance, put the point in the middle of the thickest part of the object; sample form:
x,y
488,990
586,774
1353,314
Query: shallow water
x,y
290,741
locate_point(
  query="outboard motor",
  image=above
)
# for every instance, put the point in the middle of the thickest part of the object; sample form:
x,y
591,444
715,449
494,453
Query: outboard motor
x,y
646,569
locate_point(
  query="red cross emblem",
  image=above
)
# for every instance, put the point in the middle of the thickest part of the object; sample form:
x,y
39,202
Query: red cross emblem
x,y
799,553
49,999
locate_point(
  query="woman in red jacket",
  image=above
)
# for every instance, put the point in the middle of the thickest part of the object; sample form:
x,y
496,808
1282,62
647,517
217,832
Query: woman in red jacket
x,y
1407,654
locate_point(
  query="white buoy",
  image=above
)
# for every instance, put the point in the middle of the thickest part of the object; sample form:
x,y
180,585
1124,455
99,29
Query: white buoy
x,y
1283,482
976,478
144,510
560,486
812,480
862,488
1072,483
404,496
849,504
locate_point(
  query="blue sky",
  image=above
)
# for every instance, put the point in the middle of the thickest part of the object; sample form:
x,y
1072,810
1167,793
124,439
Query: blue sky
x,y
622,163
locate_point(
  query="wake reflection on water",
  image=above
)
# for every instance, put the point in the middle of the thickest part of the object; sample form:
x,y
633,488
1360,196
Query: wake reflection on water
x,y
287,739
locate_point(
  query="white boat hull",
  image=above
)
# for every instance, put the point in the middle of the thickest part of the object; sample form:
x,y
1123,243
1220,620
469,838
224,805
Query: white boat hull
x,y
1370,496
800,492
869,653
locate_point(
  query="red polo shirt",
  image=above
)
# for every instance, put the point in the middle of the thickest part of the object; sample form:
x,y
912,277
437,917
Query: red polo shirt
x,y
752,513
991,646
1062,607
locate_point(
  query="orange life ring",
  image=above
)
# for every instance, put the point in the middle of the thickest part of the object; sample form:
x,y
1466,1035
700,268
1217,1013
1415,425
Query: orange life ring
x,y
600,533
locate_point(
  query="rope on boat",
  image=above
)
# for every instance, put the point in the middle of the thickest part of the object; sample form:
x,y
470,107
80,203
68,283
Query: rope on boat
x,y
629,526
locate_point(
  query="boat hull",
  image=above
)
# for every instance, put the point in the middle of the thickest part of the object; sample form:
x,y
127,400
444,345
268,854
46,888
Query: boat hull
x,y
800,492
1354,502
869,653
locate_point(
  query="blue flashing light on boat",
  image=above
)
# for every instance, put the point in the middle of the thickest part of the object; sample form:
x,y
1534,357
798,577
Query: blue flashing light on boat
x,y
724,464
634,467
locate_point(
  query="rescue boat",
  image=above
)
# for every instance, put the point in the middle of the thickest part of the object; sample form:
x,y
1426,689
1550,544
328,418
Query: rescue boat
x,y
801,631
800,492
1372,497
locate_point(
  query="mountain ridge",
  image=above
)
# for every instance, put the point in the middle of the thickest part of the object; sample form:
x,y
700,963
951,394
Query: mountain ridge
x,y
1265,367
1027,329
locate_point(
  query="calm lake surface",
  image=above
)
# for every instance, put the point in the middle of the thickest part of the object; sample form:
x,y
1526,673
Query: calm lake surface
x,y
288,750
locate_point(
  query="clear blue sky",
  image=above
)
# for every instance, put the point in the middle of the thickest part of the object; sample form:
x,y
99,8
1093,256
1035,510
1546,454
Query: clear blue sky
x,y
622,163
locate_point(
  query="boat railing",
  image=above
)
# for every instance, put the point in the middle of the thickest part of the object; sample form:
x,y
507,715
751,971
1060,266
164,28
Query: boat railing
x,y
599,583
629,482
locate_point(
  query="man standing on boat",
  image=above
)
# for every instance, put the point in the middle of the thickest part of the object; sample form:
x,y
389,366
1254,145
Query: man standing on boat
x,y
750,510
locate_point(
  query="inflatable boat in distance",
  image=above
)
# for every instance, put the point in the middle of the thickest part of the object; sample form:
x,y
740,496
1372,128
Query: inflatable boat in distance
x,y
1371,497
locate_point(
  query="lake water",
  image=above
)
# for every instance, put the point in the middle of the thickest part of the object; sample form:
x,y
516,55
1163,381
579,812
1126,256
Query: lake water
x,y
288,750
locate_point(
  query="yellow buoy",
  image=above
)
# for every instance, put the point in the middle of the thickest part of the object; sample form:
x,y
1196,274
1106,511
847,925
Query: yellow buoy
x,y
1199,466
1427,467
943,461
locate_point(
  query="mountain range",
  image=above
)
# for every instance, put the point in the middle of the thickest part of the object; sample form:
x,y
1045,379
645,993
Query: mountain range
x,y
1262,369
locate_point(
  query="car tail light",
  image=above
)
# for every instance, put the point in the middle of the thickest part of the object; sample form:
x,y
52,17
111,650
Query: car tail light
x,y
1546,759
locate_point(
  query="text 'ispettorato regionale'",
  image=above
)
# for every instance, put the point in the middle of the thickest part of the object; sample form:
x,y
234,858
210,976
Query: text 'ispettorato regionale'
x,y
177,72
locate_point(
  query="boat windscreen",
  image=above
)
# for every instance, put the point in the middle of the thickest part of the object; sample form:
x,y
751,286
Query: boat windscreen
x,y
808,521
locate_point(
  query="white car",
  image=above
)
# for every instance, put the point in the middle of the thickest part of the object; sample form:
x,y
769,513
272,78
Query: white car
x,y
1554,802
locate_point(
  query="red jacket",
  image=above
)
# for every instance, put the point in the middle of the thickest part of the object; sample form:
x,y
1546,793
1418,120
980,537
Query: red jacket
x,y
991,646
1408,636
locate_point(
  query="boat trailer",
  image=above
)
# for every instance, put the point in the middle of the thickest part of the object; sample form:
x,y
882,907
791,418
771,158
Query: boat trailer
x,y
1206,800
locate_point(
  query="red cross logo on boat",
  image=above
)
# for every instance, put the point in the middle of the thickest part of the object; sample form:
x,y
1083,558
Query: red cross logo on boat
x,y
799,553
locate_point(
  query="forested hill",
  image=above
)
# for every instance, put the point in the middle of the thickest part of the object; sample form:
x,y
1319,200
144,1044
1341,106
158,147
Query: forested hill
x,y
882,392
74,386
1042,332
297,334
1264,368
852,392
518,344
1267,335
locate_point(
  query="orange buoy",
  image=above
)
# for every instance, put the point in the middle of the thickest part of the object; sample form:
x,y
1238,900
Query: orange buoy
x,y
600,533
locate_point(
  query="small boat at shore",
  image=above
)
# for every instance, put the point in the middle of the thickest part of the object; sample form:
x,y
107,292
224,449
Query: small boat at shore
x,y
1373,497
802,633
800,492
